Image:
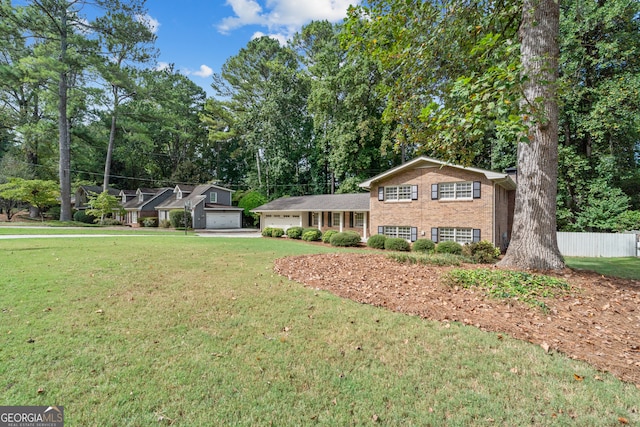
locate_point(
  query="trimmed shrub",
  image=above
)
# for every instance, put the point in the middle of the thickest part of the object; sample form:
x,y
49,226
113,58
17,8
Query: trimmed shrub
x,y
423,245
150,222
164,223
482,252
294,232
377,241
177,218
326,236
266,232
81,216
449,247
347,238
312,235
397,244
111,221
277,232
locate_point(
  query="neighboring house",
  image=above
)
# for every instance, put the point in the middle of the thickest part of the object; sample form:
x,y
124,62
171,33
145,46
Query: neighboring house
x,y
143,205
209,205
429,198
84,192
423,198
339,212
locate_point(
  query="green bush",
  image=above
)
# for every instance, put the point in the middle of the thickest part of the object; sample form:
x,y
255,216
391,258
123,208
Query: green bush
x,y
312,235
449,247
377,241
396,244
266,232
164,223
347,238
81,216
111,221
482,252
294,232
326,236
177,218
150,222
277,232
423,245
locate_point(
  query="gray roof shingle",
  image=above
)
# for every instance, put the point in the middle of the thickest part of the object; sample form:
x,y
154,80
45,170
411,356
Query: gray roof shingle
x,y
322,202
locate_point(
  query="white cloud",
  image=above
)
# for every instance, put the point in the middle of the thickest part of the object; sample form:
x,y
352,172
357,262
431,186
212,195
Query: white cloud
x,y
162,66
204,71
283,18
151,23
281,38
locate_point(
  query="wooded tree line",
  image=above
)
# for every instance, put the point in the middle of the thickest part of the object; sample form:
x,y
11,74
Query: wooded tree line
x,y
81,101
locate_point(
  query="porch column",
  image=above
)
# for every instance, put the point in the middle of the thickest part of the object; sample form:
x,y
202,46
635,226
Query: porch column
x,y
341,221
365,224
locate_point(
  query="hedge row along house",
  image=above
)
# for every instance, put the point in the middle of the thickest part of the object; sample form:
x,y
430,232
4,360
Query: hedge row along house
x,y
209,205
422,198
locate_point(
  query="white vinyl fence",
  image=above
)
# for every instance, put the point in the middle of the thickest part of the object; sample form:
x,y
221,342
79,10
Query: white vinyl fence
x,y
598,244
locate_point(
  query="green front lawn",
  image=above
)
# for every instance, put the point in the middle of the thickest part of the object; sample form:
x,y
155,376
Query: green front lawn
x,y
628,268
192,331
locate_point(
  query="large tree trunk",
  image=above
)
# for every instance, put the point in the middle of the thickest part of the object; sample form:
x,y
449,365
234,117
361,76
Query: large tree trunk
x,y
63,127
112,138
534,243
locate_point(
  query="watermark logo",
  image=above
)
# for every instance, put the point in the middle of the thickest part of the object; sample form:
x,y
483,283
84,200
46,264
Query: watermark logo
x,y
31,416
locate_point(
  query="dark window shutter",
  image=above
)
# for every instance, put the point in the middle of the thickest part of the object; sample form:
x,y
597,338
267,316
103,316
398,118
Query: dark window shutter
x,y
329,219
380,229
476,235
476,189
350,219
310,218
434,191
321,218
381,193
414,192
414,234
434,235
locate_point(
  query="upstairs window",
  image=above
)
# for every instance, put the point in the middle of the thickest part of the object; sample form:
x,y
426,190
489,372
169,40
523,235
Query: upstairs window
x,y
455,190
397,193
213,197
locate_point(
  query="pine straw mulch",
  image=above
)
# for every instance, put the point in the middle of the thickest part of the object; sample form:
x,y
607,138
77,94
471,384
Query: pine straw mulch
x,y
598,321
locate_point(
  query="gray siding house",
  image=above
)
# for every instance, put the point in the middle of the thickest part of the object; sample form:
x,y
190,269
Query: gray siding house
x,y
209,205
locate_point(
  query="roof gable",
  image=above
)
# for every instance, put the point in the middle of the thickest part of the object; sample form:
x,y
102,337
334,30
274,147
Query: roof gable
x,y
422,162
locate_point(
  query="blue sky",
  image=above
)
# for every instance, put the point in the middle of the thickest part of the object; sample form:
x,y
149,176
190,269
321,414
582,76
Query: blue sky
x,y
199,35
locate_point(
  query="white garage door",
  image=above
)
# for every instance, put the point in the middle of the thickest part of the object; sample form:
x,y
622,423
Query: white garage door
x,y
283,221
223,220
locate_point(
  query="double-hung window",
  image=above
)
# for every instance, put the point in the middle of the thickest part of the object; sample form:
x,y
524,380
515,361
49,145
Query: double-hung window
x,y
397,193
460,235
402,232
358,219
315,218
335,219
455,190
213,197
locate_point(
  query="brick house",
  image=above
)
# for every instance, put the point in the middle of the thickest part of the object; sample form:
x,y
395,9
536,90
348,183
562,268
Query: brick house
x,y
422,198
340,212
428,198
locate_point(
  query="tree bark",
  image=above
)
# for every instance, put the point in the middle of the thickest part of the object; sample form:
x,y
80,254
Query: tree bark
x,y
63,127
534,243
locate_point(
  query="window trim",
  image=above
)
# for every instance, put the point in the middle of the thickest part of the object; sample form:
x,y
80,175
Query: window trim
x,y
213,197
356,222
393,193
456,190
334,216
